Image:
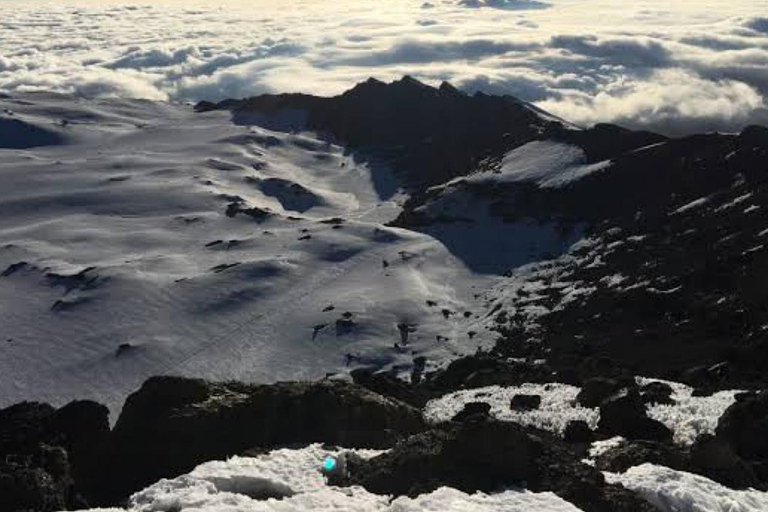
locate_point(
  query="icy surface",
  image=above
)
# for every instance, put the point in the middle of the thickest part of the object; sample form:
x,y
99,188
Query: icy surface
x,y
120,262
290,480
678,491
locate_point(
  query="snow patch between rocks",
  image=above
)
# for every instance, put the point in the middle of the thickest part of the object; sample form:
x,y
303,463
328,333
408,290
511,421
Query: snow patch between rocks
x,y
690,416
678,491
219,487
558,405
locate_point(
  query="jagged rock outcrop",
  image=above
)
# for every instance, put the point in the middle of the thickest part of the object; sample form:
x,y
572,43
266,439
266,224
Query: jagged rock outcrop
x,y
624,414
486,455
48,456
173,424
708,456
431,134
744,427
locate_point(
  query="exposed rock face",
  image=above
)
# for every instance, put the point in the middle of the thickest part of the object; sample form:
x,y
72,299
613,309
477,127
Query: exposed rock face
x,y
676,274
709,456
486,456
172,424
578,431
525,402
475,456
433,134
38,480
624,414
44,451
388,385
595,391
485,370
657,393
744,426
474,411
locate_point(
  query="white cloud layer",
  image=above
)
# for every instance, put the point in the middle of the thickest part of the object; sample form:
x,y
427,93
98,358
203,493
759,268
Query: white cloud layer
x,y
678,67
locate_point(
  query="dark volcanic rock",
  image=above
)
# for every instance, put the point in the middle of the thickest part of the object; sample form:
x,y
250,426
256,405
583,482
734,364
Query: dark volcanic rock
x,y
38,481
488,456
26,425
716,459
36,471
172,424
634,453
595,391
577,431
476,456
624,414
473,411
389,385
84,425
744,429
432,134
708,456
745,425
485,370
657,393
525,402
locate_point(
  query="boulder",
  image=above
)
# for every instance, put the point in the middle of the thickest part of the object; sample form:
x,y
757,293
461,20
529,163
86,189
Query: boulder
x,y
624,414
633,453
473,411
744,425
595,391
173,424
657,393
488,456
525,402
473,456
716,459
577,431
484,370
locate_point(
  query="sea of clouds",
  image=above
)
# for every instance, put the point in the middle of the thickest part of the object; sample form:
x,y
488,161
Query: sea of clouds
x,y
678,67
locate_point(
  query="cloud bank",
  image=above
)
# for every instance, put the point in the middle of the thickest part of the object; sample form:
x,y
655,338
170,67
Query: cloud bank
x,y
676,68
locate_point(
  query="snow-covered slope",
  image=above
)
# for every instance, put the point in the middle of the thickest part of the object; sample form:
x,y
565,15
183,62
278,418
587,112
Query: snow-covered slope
x,y
142,238
545,163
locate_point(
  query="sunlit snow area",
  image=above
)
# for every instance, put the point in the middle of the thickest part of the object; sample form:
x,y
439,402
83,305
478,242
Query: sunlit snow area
x,y
148,239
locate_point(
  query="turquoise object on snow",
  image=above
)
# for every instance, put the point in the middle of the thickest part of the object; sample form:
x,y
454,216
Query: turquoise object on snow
x,y
329,463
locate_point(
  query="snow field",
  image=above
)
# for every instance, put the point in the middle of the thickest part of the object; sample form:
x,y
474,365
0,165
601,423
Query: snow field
x,y
688,418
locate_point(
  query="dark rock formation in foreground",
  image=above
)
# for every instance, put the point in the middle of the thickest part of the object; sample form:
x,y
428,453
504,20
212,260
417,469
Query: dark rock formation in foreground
x,y
49,458
487,455
57,459
173,424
